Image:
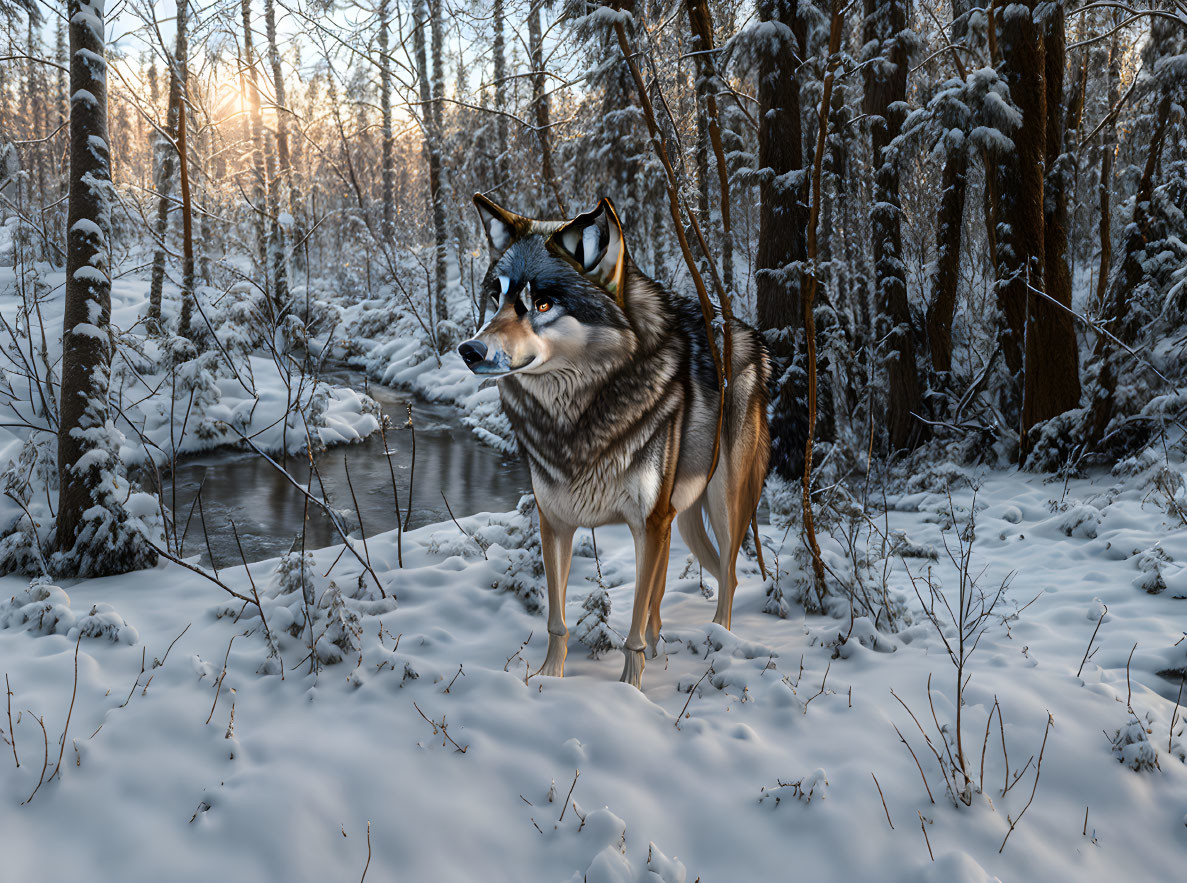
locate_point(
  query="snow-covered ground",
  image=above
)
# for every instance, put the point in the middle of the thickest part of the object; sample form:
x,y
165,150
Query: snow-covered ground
x,y
174,767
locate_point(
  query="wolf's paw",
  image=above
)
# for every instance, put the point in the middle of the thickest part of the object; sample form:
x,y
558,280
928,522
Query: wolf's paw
x,y
632,672
653,645
554,662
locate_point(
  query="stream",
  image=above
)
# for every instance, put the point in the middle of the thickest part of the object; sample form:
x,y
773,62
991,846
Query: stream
x,y
267,510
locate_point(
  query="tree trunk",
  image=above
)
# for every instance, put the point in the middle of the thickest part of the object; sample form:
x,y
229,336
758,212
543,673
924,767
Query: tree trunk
x,y
93,536
946,270
500,101
700,23
1038,340
783,221
541,103
1108,150
1053,334
886,92
165,155
1126,277
181,62
283,158
949,229
430,96
385,106
261,162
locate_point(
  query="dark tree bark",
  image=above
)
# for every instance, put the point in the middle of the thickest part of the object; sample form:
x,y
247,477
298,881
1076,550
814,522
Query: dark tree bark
x,y
541,103
1108,150
1118,317
949,229
886,91
700,22
1054,331
93,534
1038,339
783,221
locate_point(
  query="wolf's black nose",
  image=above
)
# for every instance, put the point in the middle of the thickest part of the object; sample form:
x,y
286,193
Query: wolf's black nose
x,y
472,352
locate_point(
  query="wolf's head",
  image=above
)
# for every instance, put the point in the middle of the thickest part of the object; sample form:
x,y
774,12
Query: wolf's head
x,y
558,291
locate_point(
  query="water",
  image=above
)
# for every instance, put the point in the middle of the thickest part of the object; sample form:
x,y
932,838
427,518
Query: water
x,y
268,510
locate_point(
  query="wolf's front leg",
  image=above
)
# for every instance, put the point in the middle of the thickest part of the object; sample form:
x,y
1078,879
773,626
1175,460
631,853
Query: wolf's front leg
x,y
652,543
556,538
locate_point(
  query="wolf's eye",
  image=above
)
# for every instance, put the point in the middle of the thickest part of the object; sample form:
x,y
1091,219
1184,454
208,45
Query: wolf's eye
x,y
543,304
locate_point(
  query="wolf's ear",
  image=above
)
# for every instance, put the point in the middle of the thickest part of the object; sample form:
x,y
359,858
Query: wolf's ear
x,y
593,243
502,227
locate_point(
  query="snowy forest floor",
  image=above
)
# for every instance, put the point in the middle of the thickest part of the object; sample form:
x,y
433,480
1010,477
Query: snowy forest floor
x,y
747,756
186,738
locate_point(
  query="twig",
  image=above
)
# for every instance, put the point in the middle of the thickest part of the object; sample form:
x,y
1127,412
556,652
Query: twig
x,y
198,570
1038,772
1128,685
441,725
819,692
387,452
12,732
880,794
45,763
917,763
923,828
222,675
157,663
576,773
368,864
692,692
70,712
136,683
1093,638
460,673
449,509
1170,732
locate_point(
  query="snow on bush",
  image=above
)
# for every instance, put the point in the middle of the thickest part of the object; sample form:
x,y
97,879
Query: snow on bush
x,y
519,539
593,628
45,610
301,607
1132,746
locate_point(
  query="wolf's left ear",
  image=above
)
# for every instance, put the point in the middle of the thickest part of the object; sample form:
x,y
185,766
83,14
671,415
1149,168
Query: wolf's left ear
x,y
593,243
502,226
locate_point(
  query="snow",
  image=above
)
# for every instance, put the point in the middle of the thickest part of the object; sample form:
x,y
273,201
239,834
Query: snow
x,y
90,274
87,227
755,750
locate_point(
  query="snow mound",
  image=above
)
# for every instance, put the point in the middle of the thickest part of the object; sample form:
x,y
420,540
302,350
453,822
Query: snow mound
x,y
45,610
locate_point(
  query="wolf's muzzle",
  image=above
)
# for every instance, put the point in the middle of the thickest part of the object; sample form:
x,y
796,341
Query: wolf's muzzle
x,y
472,352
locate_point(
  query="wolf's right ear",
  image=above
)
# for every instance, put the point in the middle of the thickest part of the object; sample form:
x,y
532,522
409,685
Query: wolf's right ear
x,y
594,244
502,227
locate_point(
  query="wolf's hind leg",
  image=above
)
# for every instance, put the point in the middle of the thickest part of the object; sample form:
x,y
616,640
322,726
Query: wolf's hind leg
x,y
717,497
556,540
692,528
652,543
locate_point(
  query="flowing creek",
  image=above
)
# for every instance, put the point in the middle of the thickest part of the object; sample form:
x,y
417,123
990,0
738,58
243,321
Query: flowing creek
x,y
268,510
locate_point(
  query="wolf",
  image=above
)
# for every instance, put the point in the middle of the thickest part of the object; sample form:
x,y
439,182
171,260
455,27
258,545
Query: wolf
x,y
611,388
